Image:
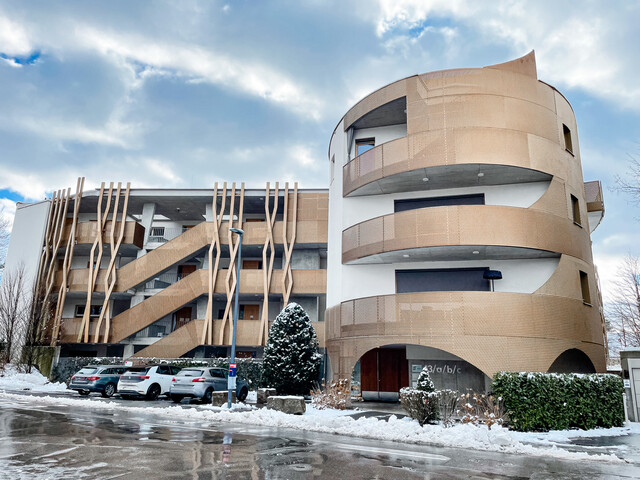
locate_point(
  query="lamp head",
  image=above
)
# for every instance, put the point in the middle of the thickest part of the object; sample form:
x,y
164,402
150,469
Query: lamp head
x,y
237,230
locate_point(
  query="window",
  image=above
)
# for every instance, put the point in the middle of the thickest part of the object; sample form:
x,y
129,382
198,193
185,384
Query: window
x,y
157,231
163,370
217,373
414,203
249,312
442,280
568,145
94,312
575,210
364,145
584,286
252,264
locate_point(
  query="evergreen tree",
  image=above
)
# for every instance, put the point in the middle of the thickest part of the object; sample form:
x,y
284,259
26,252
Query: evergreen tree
x,y
425,384
291,357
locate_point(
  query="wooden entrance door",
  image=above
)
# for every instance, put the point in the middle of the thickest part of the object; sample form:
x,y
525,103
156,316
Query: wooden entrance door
x,y
183,316
383,372
184,270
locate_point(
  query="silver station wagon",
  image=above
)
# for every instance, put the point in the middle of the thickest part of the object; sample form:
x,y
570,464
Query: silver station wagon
x,y
201,382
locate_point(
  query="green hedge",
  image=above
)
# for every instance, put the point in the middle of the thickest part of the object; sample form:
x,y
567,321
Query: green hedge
x,y
550,401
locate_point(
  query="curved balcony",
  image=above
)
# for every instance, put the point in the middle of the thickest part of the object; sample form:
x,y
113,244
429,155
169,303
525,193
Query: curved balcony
x,y
453,314
453,158
422,231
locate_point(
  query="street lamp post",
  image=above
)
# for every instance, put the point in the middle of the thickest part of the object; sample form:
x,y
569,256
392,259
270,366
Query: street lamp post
x,y
231,380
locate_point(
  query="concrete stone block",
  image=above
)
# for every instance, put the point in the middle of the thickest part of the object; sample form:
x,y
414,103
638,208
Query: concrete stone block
x,y
264,394
287,404
220,398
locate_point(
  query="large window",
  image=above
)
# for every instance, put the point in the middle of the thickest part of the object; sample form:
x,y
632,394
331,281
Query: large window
x,y
364,145
442,280
414,203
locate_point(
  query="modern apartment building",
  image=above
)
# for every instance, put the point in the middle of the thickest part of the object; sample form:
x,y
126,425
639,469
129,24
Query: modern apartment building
x,y
459,233
457,226
151,273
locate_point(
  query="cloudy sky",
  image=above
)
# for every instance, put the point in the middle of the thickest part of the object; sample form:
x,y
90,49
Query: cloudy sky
x,y
185,93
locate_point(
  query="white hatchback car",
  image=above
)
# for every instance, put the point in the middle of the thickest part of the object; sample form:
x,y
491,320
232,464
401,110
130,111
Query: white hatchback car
x,y
149,382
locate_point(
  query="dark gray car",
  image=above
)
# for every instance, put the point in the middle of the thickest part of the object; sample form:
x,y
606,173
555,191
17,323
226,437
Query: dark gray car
x,y
201,382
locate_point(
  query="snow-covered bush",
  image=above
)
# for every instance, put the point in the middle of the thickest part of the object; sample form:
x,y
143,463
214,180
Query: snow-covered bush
x,y
550,401
447,405
336,395
482,409
421,403
291,358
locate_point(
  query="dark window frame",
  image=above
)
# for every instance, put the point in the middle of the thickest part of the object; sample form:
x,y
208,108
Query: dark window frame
x,y
584,288
486,283
568,142
575,210
365,141
444,201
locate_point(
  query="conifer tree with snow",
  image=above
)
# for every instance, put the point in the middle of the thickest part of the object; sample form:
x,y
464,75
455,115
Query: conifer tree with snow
x,y
291,357
425,383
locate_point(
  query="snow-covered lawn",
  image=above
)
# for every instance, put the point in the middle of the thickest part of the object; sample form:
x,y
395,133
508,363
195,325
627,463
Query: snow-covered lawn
x,y
338,422
12,379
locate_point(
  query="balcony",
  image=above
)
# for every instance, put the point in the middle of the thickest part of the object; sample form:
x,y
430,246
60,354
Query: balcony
x,y
595,203
86,233
447,316
438,233
452,159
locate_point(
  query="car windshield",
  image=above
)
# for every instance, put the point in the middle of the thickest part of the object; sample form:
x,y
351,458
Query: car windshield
x,y
137,371
87,371
190,373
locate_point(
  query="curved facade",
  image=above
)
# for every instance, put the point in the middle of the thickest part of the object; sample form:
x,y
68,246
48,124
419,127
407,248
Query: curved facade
x,y
459,229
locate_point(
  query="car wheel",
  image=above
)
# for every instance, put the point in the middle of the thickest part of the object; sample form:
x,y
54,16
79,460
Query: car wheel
x,y
176,398
153,392
206,398
243,394
109,390
84,393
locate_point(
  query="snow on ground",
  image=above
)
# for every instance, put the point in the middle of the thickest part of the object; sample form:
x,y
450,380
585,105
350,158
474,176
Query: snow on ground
x,y
338,422
11,378
561,437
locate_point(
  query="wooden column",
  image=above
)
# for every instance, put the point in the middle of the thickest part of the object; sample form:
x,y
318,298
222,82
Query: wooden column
x,y
66,264
207,331
287,277
267,266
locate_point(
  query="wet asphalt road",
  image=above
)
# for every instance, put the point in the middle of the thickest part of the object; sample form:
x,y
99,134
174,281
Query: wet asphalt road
x,y
59,442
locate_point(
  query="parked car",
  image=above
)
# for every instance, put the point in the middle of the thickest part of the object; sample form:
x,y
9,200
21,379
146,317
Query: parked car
x,y
150,382
97,378
201,382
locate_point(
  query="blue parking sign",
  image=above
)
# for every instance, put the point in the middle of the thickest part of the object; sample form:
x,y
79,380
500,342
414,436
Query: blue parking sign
x,y
232,370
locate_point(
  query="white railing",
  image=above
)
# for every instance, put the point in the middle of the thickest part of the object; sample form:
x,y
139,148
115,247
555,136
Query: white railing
x,y
163,235
162,281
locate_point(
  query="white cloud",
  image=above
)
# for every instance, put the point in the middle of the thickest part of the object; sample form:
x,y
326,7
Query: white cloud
x,y
591,47
250,77
14,40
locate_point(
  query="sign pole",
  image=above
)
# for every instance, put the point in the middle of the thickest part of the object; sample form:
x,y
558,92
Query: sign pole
x,y
231,379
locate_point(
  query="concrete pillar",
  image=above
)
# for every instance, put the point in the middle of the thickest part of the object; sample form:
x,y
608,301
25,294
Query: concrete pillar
x,y
148,211
128,351
208,213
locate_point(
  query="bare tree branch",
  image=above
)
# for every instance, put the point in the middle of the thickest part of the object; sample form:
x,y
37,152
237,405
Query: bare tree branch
x,y
623,313
629,184
14,308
